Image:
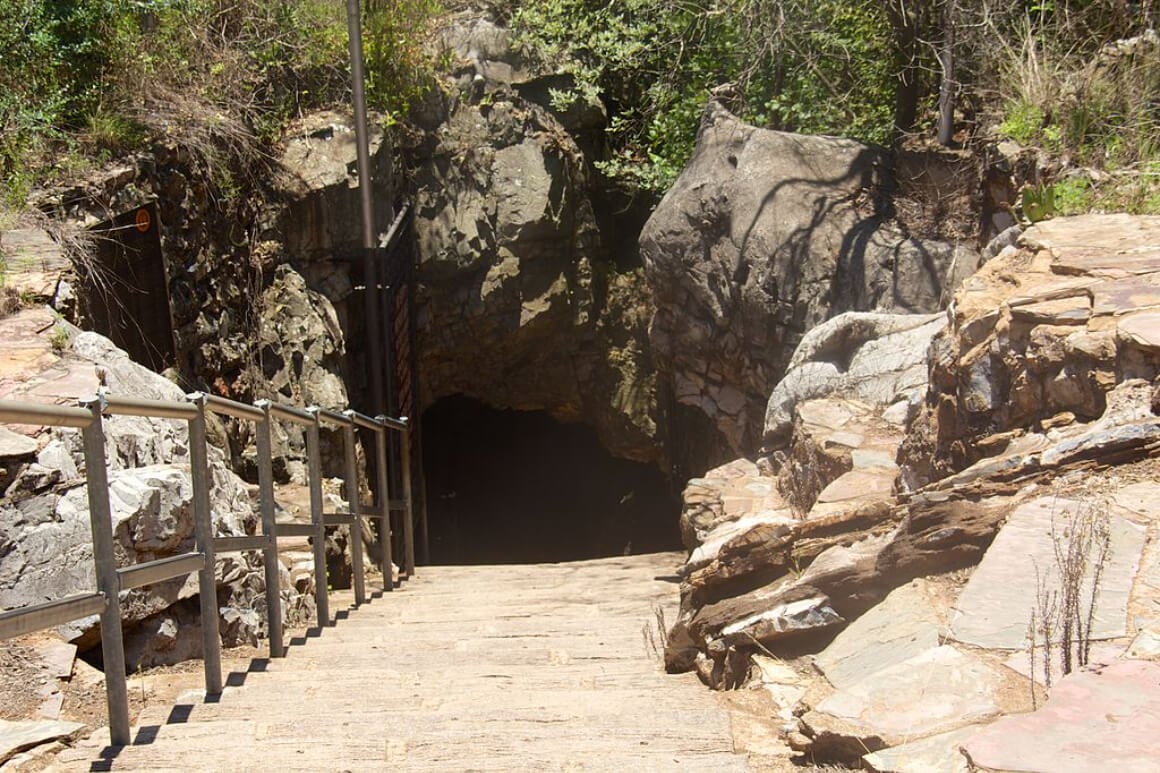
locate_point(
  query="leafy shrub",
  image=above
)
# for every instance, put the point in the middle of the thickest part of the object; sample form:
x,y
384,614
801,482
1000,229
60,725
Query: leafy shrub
x,y
95,76
822,67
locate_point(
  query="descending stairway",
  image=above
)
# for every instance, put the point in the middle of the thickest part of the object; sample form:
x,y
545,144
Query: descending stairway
x,y
517,667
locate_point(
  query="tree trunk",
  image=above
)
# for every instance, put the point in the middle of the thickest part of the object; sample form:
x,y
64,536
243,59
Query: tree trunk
x,y
946,92
904,19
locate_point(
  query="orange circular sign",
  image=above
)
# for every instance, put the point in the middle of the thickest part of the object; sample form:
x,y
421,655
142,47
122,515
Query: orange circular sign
x,y
143,220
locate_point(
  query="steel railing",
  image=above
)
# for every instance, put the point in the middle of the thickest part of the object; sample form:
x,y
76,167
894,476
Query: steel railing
x,y
111,580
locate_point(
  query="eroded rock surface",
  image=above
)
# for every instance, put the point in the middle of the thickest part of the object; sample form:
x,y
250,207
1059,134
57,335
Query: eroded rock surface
x,y
1037,339
519,303
44,516
1053,402
764,236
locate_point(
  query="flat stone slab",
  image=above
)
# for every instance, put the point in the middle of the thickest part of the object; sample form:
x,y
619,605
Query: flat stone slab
x,y
13,444
995,608
1142,330
16,737
859,484
936,691
1115,245
936,754
1075,310
1129,294
903,626
1105,719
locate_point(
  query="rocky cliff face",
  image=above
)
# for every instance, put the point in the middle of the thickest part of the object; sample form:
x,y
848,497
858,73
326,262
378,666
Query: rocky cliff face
x,y
1036,341
1039,423
764,236
520,305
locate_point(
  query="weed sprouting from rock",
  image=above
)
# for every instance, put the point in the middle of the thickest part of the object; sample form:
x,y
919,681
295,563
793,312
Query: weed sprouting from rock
x,y
656,633
1066,595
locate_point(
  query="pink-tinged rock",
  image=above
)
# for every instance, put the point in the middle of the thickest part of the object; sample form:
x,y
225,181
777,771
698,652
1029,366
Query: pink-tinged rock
x,y
1142,330
993,610
1104,719
1123,295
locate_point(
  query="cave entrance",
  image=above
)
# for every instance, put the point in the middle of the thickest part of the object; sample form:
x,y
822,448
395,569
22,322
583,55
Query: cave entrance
x,y
520,487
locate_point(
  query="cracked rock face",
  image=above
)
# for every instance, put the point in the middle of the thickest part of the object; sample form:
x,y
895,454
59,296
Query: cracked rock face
x,y
518,303
45,540
764,236
1037,340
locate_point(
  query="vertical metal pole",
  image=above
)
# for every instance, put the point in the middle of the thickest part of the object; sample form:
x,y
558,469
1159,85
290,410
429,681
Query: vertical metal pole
x,y
359,97
384,501
314,464
352,497
270,552
408,512
362,141
211,641
108,583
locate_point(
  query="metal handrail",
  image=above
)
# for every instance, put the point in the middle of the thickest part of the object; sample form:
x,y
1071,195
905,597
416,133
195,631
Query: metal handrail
x,y
111,580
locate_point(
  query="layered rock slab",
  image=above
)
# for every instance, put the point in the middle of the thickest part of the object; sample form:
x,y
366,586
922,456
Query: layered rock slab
x,y
1101,719
936,691
905,625
997,604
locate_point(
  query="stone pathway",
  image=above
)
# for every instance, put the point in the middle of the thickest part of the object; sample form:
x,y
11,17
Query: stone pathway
x,y
463,668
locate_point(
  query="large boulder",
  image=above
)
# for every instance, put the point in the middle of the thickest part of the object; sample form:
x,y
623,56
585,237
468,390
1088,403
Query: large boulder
x,y
764,236
45,542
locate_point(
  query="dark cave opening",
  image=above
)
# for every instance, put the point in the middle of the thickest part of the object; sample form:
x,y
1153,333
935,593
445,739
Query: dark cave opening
x,y
520,487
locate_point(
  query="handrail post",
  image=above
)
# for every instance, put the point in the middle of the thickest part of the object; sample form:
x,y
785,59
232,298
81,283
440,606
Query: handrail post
x,y
101,523
203,533
408,515
314,462
352,497
269,531
384,500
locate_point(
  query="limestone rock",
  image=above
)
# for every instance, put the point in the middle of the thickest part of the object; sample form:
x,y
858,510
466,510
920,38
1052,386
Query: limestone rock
x,y
936,691
44,521
764,236
878,358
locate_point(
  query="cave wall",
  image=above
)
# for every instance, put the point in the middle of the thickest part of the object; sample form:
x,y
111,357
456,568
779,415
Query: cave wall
x,y
520,303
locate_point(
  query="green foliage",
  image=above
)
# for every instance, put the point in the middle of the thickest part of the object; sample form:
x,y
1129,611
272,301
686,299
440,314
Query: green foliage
x,y
822,67
1073,90
95,77
1073,196
1023,122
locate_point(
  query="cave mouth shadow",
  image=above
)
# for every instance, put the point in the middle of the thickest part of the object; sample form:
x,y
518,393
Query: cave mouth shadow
x,y
518,487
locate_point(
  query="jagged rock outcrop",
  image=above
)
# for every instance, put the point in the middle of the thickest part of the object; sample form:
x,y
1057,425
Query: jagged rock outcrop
x,y
764,236
519,304
765,581
1037,339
